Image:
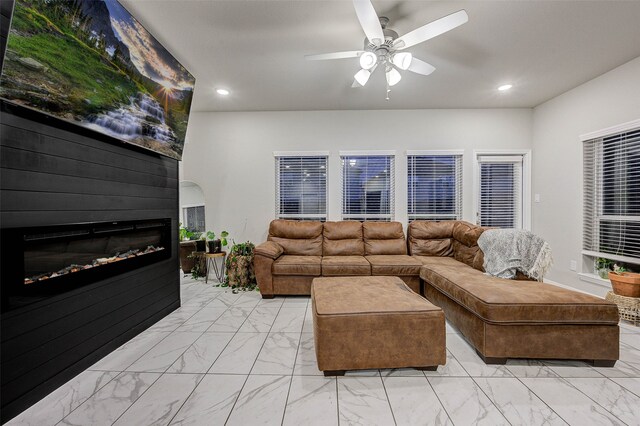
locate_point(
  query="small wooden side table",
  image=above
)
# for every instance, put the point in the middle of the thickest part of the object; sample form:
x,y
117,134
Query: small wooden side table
x,y
628,307
211,261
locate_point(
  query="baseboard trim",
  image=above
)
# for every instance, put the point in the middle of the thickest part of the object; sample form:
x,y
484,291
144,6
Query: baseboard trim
x,y
568,287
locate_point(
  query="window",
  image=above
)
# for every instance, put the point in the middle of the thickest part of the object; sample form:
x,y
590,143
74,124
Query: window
x,y
612,196
193,218
434,186
301,187
367,187
500,191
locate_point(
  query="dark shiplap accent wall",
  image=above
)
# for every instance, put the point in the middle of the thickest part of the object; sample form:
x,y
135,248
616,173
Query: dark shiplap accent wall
x,y
52,172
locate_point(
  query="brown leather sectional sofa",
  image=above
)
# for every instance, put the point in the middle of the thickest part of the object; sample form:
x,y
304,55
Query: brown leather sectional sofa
x,y
500,318
296,252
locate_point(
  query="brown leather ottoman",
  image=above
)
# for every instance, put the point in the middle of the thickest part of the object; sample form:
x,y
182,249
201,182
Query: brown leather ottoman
x,y
374,322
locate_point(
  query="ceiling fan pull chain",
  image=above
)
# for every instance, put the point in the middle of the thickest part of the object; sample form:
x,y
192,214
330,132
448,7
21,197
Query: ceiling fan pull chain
x,y
388,91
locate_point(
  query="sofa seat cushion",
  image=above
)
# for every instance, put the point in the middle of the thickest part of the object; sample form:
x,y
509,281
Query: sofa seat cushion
x,y
399,265
436,260
501,301
297,265
345,265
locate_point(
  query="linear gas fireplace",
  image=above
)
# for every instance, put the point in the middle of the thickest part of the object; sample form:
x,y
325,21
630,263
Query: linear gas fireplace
x,y
43,261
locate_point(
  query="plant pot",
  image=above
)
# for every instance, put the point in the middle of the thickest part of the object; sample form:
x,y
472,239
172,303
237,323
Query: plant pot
x,y
625,283
201,245
215,246
604,273
240,272
186,248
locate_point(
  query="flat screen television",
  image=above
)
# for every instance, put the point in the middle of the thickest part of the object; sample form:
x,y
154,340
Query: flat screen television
x,y
92,63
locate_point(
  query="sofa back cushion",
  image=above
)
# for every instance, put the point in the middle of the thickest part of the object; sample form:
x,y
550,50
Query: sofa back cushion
x,y
384,238
454,238
343,239
431,238
478,261
467,233
298,238
465,244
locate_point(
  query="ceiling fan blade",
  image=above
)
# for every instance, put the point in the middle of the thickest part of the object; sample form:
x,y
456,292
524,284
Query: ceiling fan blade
x,y
369,21
334,55
431,30
420,67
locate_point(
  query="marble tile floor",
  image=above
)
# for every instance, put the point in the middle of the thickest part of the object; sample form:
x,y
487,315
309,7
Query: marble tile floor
x,y
236,359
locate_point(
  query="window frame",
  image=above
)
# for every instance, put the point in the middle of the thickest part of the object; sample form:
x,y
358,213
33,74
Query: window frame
x,y
300,154
183,209
459,158
588,137
390,217
526,181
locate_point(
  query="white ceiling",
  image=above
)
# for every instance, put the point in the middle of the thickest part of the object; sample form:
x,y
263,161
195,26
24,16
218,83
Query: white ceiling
x,y
256,49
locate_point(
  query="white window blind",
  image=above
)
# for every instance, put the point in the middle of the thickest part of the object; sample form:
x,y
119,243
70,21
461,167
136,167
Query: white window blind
x,y
500,190
368,187
611,227
193,218
301,187
434,187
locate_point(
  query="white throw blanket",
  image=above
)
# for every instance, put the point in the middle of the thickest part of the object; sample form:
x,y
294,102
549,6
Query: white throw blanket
x,y
507,251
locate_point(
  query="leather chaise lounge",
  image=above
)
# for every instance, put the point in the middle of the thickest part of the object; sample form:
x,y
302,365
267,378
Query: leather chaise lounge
x,y
509,318
501,318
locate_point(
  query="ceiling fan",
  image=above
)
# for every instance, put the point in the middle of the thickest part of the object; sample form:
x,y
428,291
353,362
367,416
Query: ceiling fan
x,y
383,47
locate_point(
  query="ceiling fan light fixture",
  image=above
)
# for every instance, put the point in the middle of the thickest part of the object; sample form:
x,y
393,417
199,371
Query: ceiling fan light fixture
x,y
368,60
362,77
393,77
402,60
505,87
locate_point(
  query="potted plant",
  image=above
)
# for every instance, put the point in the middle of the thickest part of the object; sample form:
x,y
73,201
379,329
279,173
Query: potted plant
x,y
240,272
199,268
215,245
199,237
625,283
603,266
186,248
184,233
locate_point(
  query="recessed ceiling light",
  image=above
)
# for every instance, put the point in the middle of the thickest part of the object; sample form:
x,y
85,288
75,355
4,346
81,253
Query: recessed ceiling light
x,y
505,87
223,92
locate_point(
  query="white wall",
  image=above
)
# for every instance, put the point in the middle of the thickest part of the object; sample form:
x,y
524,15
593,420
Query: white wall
x,y
608,100
190,194
230,155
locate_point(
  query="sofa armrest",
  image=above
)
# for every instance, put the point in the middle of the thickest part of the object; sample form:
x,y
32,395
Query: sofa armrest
x,y
269,249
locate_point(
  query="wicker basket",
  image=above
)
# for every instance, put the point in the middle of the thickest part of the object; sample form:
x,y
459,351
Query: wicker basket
x,y
628,307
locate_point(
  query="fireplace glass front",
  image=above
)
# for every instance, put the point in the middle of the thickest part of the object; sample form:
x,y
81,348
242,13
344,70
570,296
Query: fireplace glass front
x,y
51,260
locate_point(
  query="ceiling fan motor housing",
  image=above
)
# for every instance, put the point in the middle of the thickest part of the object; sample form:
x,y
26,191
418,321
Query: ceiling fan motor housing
x,y
385,50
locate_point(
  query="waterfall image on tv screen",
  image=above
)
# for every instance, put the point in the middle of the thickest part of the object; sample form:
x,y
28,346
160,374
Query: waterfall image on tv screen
x,y
92,63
